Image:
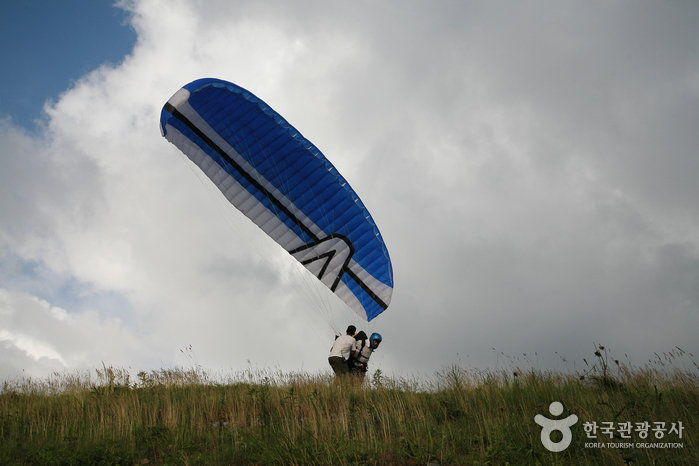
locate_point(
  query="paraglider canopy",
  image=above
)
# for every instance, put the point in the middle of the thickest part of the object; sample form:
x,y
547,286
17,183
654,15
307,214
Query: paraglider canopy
x,y
285,185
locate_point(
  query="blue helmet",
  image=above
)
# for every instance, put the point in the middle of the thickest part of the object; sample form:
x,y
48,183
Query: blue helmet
x,y
374,340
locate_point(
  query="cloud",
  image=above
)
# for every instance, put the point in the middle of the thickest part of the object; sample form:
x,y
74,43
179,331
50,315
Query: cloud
x,y
43,337
531,168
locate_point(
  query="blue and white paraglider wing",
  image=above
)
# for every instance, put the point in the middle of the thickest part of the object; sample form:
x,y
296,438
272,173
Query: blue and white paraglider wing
x,y
285,185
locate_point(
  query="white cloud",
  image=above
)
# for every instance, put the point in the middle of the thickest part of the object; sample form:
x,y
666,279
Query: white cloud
x,y
42,336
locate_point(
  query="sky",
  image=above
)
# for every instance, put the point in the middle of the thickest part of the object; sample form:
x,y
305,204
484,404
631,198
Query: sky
x,y
47,46
532,166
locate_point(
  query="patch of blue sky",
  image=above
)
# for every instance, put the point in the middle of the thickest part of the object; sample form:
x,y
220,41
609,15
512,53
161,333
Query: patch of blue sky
x,y
66,292
47,45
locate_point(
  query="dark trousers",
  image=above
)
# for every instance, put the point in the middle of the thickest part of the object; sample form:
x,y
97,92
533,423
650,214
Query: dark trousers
x,y
339,365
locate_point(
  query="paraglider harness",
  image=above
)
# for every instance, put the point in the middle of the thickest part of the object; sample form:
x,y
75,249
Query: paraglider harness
x,y
359,363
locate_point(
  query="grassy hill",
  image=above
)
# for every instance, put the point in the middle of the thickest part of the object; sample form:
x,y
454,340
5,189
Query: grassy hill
x,y
458,417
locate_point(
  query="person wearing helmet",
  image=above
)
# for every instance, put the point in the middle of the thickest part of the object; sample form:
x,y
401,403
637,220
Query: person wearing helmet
x,y
364,347
341,351
375,340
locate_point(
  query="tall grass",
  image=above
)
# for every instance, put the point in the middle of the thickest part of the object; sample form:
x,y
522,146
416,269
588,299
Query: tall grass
x,y
459,416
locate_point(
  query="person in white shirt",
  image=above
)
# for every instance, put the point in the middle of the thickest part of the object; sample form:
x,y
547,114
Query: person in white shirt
x,y
341,352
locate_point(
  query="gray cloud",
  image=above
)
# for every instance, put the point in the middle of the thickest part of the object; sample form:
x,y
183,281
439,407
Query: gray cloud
x,y
531,167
